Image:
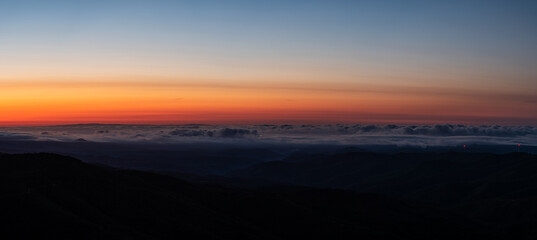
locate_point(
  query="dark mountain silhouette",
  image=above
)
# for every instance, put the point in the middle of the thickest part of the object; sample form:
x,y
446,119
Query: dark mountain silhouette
x,y
499,191
48,196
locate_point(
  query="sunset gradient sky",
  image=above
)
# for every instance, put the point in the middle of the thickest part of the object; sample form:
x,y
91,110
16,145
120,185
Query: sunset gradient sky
x,y
246,62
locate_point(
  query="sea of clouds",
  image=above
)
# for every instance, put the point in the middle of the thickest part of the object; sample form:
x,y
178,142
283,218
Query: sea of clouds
x,y
355,134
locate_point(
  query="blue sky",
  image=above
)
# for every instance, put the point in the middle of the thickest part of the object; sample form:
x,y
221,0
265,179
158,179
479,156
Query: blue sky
x,y
485,47
384,34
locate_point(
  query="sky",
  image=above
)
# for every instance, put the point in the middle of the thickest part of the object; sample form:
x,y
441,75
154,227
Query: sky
x,y
274,62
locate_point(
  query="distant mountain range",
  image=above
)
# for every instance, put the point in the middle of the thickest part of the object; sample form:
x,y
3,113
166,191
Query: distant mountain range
x,y
499,191
343,195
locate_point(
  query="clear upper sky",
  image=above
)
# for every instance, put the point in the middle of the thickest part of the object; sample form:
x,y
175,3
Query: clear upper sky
x,y
268,61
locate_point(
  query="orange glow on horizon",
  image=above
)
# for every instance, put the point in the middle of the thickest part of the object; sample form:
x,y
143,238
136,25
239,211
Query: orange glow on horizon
x,y
138,102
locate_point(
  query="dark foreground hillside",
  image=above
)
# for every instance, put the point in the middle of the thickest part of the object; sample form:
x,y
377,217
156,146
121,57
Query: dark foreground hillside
x,y
48,196
498,191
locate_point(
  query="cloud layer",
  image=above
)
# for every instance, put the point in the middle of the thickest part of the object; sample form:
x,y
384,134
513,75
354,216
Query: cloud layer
x,y
400,135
